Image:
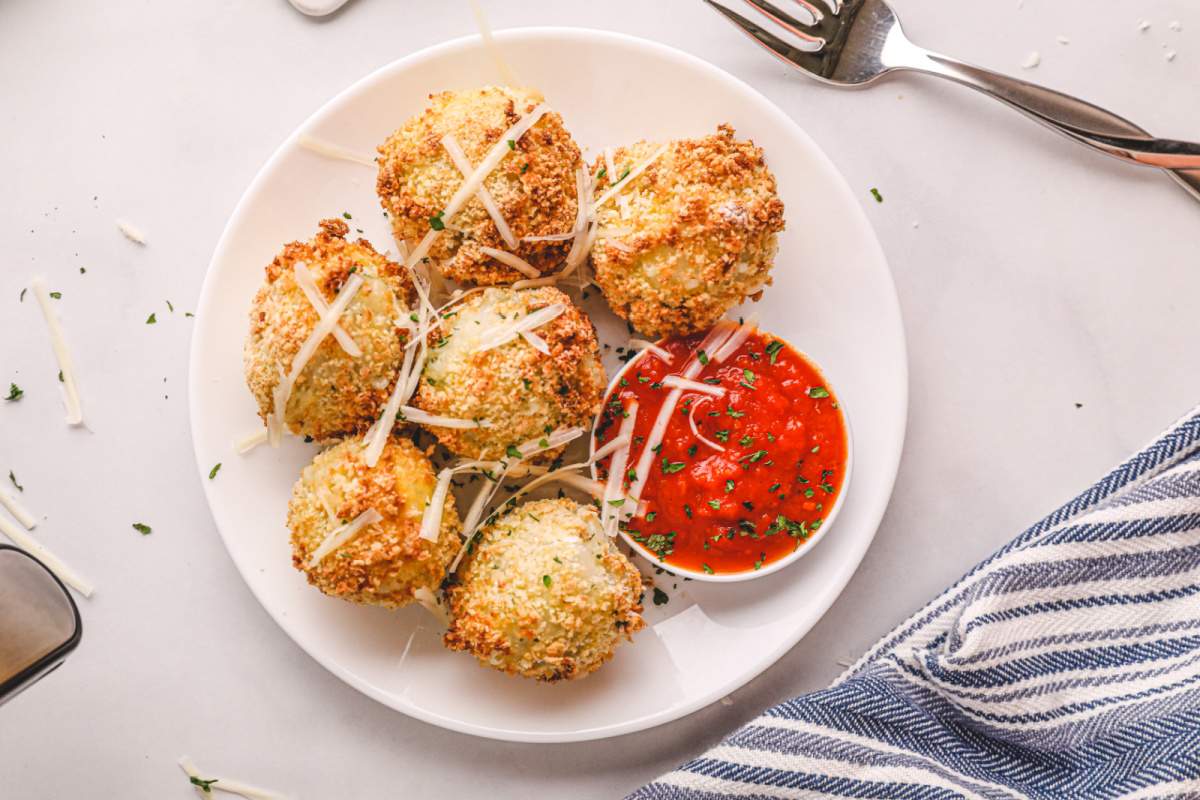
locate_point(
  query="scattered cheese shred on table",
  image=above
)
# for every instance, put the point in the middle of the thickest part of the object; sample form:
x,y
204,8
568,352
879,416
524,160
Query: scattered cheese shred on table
x,y
52,562
131,232
205,786
18,510
59,344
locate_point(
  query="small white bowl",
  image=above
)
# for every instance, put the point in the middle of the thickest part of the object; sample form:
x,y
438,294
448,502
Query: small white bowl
x,y
790,558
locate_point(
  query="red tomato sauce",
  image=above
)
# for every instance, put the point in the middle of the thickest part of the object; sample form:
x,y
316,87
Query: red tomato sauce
x,y
770,490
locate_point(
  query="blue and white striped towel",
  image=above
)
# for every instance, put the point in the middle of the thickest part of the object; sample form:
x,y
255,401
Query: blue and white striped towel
x,y
1067,665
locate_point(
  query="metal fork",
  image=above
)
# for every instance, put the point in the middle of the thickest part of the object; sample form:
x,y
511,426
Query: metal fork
x,y
855,42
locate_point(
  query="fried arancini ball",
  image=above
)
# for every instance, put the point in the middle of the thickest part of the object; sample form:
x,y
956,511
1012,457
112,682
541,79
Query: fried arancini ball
x,y
386,563
544,593
533,186
696,236
336,394
521,392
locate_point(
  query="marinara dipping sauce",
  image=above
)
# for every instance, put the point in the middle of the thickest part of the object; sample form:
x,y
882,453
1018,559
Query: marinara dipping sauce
x,y
774,483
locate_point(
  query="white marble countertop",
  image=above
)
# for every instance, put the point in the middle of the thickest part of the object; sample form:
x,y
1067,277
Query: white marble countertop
x,y
1050,300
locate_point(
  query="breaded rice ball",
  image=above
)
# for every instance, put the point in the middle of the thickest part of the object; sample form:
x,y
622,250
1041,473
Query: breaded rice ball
x,y
544,594
386,562
533,186
696,237
336,394
521,392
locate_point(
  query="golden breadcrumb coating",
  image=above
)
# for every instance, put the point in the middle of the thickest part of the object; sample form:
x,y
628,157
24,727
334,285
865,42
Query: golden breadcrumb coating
x,y
385,563
544,594
336,394
523,393
533,186
697,236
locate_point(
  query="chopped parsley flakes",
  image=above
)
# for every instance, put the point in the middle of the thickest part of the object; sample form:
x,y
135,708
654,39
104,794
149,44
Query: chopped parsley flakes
x,y
205,785
142,528
14,392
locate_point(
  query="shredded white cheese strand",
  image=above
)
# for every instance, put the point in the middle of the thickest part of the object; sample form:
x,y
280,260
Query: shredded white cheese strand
x,y
283,390
431,520
610,165
529,487
536,342
475,512
550,237
614,491
549,280
308,285
583,483
250,441
59,344
503,334
613,444
516,262
413,414
52,562
620,185
341,535
556,438
228,784
642,344
489,42
131,232
511,466
459,157
577,251
676,382
430,602
471,185
378,435
18,510
331,150
748,326
696,431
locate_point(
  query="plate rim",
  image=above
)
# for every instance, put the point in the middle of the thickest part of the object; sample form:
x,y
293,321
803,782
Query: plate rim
x,y
845,568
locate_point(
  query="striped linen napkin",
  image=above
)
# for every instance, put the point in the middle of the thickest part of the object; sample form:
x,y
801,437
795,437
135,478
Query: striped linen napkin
x,y
1067,665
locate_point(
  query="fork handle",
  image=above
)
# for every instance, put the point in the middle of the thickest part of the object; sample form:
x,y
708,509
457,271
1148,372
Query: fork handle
x,y
1076,119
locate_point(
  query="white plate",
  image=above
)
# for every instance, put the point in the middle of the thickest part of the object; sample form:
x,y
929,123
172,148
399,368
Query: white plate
x,y
833,297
